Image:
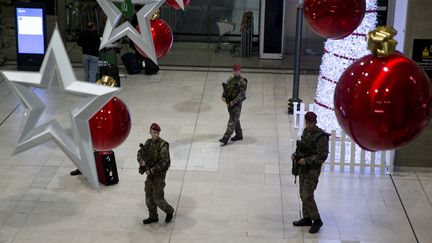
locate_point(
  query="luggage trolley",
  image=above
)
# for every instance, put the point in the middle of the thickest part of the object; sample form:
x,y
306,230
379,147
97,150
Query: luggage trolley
x,y
225,27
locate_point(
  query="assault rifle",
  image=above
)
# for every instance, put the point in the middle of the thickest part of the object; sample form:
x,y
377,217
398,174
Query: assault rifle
x,y
224,94
142,169
297,155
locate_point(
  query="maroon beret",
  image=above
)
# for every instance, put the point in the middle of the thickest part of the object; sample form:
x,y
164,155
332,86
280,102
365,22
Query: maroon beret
x,y
155,127
236,67
310,116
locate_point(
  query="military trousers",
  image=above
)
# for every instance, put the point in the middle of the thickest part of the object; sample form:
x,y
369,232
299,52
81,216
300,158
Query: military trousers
x,y
308,183
154,193
234,120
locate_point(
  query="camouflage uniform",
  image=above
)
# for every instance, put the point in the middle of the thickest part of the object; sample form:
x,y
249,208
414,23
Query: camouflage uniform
x,y
314,151
157,159
234,93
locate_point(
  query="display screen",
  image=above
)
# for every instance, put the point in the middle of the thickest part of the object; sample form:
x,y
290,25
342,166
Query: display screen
x,y
30,30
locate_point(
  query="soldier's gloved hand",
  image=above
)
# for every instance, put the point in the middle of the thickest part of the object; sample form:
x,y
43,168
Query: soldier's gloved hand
x,y
141,170
148,172
302,161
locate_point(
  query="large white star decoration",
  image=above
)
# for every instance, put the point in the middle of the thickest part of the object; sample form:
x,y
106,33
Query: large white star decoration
x,y
144,40
56,70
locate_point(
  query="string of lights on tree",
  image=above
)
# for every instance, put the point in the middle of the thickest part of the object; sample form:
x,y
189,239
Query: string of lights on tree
x,y
338,55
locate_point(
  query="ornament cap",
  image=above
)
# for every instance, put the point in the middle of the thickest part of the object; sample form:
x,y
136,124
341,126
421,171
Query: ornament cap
x,y
381,42
156,14
107,81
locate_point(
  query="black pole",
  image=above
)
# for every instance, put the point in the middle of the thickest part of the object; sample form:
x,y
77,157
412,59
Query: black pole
x,y
298,38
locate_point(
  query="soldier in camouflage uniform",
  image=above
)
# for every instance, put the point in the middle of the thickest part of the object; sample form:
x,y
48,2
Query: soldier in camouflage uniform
x,y
154,160
313,153
234,94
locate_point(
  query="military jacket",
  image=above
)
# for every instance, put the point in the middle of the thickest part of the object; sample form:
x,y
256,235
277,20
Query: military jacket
x,y
314,146
156,155
236,89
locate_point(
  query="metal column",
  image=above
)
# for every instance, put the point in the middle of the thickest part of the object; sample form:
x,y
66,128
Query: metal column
x,y
297,54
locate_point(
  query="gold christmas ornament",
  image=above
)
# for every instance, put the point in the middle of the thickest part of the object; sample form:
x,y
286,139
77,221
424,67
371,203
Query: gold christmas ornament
x,y
381,42
107,81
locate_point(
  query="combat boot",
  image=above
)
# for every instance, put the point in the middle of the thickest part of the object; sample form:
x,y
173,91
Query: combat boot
x,y
237,137
169,217
224,140
150,220
303,222
75,172
316,226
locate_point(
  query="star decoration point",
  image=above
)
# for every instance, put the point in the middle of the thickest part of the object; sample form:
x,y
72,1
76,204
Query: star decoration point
x,y
144,39
56,67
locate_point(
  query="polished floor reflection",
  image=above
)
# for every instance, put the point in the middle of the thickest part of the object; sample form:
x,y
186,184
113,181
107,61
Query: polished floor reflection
x,y
242,192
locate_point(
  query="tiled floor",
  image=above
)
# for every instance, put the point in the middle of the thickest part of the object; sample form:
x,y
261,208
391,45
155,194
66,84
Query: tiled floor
x,y
242,192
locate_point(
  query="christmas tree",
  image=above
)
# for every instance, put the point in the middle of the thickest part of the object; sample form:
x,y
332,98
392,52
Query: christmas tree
x,y
338,55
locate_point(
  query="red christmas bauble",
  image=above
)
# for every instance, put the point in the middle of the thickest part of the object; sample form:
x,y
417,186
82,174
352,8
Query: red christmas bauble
x,y
110,126
162,37
173,4
334,19
383,103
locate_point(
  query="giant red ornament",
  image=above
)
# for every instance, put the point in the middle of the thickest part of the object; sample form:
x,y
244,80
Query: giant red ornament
x,y
162,37
173,4
383,103
110,126
334,19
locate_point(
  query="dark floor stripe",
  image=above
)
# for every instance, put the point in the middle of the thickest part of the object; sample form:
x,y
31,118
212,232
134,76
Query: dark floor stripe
x,y
403,206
